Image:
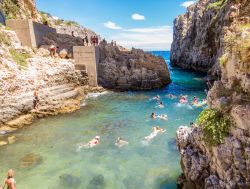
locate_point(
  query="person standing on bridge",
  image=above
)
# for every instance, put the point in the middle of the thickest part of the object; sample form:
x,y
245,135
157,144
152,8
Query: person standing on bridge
x,y
86,39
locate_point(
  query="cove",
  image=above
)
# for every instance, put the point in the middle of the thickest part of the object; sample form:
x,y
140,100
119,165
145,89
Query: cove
x,y
45,156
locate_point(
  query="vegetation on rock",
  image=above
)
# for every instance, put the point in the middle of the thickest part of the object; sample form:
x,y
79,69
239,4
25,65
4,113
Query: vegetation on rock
x,y
20,58
10,8
216,5
215,125
4,39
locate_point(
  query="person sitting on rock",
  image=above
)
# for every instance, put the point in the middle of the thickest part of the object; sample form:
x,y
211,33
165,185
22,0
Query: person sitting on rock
x,y
73,34
52,50
36,99
10,181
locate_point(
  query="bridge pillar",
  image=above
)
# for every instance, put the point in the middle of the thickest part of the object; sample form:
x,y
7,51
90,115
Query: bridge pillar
x,y
87,57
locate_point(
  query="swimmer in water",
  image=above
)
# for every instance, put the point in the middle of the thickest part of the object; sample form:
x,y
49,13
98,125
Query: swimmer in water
x,y
161,105
120,142
183,99
171,96
152,135
153,115
195,100
95,141
158,98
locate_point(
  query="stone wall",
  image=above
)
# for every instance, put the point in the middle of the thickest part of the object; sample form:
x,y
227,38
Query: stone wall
x,y
29,33
87,58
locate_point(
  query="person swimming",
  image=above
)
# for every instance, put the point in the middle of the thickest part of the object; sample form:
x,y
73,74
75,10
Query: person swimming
x,y
160,105
157,97
171,96
92,143
183,99
152,135
120,142
195,100
153,115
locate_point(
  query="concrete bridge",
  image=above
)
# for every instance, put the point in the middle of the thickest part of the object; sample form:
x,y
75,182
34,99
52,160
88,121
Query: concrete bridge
x,y
31,33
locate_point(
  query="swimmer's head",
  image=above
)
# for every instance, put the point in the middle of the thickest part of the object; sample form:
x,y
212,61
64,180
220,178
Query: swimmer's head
x,y
10,173
97,137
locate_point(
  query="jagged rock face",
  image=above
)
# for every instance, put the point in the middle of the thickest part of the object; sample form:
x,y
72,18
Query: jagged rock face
x,y
131,70
226,166
20,9
198,35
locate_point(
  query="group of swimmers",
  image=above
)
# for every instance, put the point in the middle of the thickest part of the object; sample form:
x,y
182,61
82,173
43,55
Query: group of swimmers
x,y
120,142
184,100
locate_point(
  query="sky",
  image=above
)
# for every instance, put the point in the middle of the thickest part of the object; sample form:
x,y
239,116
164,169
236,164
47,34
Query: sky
x,y
144,24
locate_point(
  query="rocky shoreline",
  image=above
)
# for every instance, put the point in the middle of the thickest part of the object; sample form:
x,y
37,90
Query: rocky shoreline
x,y
214,37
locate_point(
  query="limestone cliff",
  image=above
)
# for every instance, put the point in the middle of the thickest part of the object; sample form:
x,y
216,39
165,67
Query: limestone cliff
x,y
22,69
199,34
131,70
215,152
20,9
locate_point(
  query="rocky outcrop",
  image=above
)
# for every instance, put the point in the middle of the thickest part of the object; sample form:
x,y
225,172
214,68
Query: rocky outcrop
x,y
21,9
225,165
61,87
131,70
118,69
199,34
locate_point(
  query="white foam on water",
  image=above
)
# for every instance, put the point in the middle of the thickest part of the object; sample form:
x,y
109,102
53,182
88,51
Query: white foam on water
x,y
95,95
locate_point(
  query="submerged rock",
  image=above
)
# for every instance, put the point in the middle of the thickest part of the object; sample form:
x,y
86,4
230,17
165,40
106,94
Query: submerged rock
x,y
30,160
69,181
97,182
12,139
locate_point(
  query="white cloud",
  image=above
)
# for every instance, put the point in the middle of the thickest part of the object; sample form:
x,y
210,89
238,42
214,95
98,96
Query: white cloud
x,y
187,3
137,17
151,38
112,25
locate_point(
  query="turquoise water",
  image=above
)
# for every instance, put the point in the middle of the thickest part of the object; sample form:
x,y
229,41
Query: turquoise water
x,y
52,141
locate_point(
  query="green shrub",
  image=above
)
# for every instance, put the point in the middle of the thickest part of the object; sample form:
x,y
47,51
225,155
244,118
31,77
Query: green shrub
x,y
20,58
58,22
71,23
215,126
216,5
10,8
223,59
4,39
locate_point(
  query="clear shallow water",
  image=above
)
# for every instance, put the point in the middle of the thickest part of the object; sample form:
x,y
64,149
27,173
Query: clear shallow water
x,y
136,166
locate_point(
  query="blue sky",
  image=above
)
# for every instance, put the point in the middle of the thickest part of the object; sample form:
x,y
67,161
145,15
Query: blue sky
x,y
145,24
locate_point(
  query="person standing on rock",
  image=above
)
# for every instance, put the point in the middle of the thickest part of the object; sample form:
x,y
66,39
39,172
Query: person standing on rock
x,y
86,39
10,181
36,99
52,50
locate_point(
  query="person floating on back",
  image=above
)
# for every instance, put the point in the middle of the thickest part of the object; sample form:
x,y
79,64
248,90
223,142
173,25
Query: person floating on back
x,y
9,181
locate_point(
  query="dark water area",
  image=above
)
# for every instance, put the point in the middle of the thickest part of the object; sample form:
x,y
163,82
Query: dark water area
x,y
46,156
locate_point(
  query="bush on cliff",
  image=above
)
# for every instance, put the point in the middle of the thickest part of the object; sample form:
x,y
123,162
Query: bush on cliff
x,y
215,125
217,4
20,58
4,39
10,8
